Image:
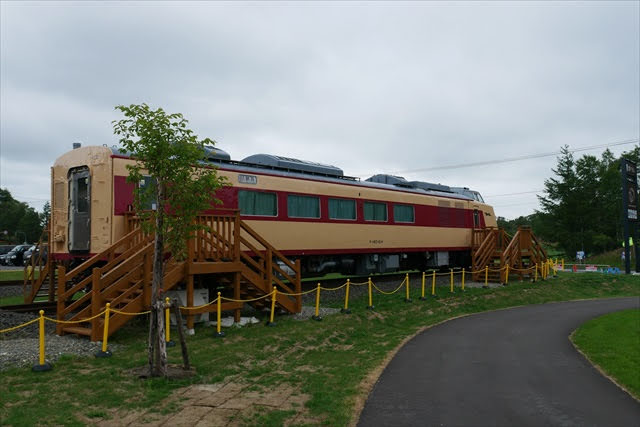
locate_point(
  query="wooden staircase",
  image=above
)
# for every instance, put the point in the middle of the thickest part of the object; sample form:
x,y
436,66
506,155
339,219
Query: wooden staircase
x,y
39,281
523,252
226,248
494,248
487,247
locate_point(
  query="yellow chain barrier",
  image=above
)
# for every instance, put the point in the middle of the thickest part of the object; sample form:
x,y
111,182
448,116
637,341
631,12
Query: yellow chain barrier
x,y
239,300
334,289
201,306
2,331
300,293
70,322
544,273
389,293
130,314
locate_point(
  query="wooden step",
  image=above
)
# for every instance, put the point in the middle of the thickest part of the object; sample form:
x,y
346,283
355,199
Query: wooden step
x,y
121,302
79,330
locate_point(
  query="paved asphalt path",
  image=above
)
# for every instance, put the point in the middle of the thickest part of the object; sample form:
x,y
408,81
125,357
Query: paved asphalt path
x,y
512,367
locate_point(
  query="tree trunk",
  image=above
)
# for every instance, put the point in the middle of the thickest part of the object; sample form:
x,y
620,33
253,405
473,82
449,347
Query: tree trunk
x,y
152,342
160,359
175,306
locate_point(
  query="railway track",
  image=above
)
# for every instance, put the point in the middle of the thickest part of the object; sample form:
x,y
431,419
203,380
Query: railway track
x,y
48,307
11,283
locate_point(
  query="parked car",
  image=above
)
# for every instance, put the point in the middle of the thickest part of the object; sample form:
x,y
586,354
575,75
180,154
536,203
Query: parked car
x,y
15,255
4,250
34,252
26,256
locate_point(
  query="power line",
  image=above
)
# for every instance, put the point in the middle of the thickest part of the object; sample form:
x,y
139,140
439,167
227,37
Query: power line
x,y
515,194
515,204
519,158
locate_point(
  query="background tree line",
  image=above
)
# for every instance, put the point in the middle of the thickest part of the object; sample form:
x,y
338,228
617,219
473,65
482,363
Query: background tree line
x,y
581,207
19,221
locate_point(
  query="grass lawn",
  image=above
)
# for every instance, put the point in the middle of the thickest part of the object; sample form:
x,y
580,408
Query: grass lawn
x,y
329,361
612,342
611,258
12,275
14,300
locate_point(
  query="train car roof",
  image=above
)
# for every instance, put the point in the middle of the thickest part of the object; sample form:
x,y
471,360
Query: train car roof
x,y
260,169
294,168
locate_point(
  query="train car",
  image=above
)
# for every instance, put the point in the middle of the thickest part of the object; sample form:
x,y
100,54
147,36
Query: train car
x,y
308,211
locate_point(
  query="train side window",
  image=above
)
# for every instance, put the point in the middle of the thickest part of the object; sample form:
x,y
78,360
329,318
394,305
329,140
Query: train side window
x,y
476,219
375,211
148,186
403,213
342,209
303,206
257,203
82,195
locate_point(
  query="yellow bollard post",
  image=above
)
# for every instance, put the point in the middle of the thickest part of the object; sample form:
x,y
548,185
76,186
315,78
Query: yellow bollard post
x,y
486,277
424,275
167,324
433,284
451,279
506,275
463,280
219,333
42,365
104,352
562,264
407,298
547,268
370,306
274,297
346,310
317,315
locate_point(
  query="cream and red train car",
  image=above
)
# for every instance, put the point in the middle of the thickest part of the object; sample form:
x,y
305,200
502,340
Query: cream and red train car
x,y
308,211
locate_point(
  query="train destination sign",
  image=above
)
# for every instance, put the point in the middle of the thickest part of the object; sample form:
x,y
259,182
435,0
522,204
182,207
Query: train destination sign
x,y
248,179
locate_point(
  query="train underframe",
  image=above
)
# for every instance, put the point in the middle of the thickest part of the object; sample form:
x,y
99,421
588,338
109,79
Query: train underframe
x,y
371,263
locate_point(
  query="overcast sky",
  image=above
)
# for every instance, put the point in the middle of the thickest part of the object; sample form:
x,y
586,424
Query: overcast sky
x,y
368,87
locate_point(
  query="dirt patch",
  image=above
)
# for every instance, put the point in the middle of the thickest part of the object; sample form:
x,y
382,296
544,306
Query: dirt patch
x,y
174,372
227,403
375,314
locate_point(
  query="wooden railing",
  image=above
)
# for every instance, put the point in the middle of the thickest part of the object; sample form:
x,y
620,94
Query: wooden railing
x,y
524,251
488,246
214,238
121,275
496,249
225,237
262,263
83,277
40,262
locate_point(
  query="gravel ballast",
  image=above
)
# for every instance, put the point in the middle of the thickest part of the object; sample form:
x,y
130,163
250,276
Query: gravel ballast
x,y
21,347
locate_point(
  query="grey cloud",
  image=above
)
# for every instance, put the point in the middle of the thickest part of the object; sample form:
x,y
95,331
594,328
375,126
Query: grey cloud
x,y
368,87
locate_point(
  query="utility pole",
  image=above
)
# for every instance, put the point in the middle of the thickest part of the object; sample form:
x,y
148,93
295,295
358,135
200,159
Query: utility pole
x,y
629,172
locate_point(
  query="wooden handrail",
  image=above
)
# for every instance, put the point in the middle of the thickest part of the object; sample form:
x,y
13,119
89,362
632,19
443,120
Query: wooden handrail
x,y
104,254
487,247
44,268
264,243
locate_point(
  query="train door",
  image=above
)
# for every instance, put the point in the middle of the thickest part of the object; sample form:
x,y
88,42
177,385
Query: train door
x,y
79,210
